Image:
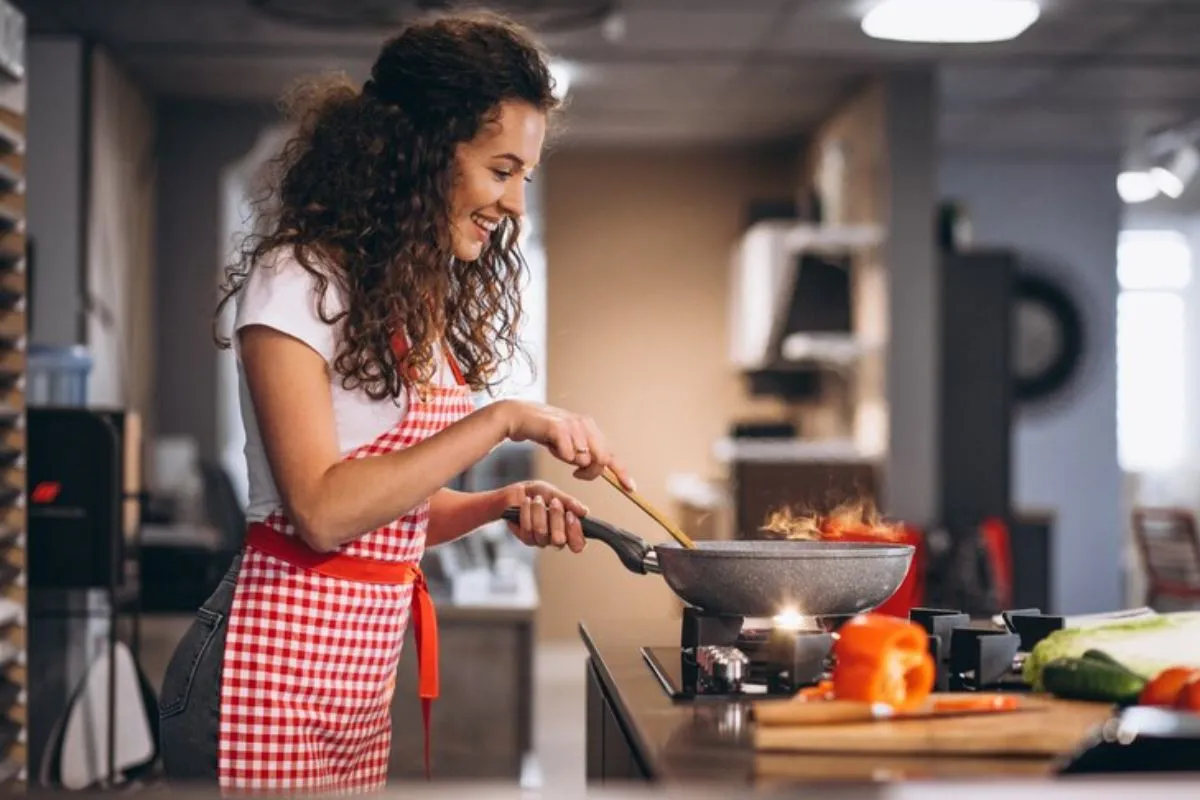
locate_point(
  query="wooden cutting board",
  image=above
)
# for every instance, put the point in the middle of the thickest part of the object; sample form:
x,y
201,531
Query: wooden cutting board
x,y
1050,727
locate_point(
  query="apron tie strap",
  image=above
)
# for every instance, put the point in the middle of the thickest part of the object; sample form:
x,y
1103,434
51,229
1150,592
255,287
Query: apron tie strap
x,y
426,633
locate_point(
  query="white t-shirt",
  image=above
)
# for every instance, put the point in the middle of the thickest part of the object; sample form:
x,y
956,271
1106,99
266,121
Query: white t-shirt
x,y
281,294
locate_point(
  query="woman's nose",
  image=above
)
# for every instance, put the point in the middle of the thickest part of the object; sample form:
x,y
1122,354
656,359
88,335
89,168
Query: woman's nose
x,y
513,200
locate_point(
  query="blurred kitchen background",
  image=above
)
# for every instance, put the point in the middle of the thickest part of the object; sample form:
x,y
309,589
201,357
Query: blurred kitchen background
x,y
780,256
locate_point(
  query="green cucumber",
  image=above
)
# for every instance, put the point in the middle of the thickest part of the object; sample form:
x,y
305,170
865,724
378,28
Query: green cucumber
x,y
1103,657
1093,677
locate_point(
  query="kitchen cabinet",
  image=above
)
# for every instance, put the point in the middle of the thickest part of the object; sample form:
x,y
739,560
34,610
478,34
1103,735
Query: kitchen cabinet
x,y
611,757
482,726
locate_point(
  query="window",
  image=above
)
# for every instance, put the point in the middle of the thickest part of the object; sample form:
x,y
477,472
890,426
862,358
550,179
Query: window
x,y
1153,269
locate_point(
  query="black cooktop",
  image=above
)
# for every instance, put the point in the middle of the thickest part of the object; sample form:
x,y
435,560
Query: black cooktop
x,y
682,679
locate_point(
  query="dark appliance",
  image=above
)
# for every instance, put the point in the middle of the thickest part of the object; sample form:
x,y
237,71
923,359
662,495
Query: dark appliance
x,y
75,500
82,467
1139,740
819,302
977,401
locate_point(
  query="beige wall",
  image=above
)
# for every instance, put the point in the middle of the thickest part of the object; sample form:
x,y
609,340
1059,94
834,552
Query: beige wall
x,y
120,245
638,246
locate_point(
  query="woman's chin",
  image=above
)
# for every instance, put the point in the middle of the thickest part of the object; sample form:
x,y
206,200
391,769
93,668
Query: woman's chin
x,y
468,251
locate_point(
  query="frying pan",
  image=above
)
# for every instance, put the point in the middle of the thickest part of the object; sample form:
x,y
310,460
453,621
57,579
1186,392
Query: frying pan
x,y
762,578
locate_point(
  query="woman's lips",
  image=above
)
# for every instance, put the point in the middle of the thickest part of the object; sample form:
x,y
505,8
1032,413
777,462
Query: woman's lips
x,y
484,228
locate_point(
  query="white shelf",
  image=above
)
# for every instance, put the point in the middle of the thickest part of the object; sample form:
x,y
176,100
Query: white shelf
x,y
809,238
728,450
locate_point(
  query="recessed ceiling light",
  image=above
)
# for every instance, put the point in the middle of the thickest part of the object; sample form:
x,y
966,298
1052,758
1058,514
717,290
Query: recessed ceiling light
x,y
950,21
1173,175
1136,186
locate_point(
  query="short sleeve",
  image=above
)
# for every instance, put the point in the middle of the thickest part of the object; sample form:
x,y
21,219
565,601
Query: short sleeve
x,y
281,294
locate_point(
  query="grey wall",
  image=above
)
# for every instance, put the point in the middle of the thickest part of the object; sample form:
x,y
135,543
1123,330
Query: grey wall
x,y
1063,211
55,169
911,488
196,141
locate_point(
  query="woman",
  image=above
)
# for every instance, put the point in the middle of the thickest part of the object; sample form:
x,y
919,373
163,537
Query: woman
x,y
384,291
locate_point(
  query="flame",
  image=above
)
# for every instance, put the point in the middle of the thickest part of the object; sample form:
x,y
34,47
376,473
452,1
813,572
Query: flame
x,y
790,619
855,519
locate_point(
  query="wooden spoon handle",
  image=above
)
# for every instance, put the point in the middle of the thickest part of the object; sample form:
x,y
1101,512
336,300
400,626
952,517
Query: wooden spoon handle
x,y
678,535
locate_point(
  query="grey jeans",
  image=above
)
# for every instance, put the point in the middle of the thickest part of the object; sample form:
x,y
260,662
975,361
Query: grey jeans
x,y
189,705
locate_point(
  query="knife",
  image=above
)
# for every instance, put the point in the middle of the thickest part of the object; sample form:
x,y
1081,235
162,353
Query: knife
x,y
832,712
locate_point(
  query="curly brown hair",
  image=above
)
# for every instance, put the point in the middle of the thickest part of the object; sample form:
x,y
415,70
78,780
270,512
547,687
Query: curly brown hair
x,y
362,197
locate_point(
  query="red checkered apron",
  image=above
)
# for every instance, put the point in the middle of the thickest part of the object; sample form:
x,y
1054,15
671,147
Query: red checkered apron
x,y
314,640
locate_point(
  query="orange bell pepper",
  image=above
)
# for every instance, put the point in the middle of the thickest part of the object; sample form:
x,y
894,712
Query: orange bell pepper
x,y
820,691
1188,698
883,659
1166,687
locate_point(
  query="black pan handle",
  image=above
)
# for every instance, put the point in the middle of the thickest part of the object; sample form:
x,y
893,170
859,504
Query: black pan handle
x,y
633,551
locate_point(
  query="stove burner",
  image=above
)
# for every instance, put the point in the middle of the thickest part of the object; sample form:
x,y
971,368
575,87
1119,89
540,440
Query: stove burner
x,y
969,657
729,657
700,629
723,656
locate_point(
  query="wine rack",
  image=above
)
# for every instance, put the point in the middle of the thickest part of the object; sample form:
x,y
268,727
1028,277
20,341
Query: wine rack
x,y
13,334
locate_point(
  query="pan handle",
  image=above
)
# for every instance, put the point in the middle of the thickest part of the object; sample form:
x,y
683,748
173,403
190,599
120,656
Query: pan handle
x,y
635,554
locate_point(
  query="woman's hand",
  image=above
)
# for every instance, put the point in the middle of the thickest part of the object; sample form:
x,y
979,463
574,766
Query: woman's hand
x,y
572,438
549,517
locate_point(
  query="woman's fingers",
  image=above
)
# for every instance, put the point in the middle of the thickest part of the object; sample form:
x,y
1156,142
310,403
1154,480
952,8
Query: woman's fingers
x,y
575,540
585,451
622,474
573,439
598,455
557,523
534,522
550,517
526,524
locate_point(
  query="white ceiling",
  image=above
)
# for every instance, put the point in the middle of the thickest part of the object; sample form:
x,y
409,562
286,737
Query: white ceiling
x,y
1090,75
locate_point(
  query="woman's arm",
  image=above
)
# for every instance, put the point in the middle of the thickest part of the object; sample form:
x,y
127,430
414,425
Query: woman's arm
x,y
328,500
453,514
331,501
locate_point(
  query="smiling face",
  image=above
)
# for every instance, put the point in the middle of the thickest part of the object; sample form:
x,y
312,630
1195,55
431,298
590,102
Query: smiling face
x,y
491,171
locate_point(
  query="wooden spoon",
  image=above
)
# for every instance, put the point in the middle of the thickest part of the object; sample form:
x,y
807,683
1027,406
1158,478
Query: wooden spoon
x,y
676,534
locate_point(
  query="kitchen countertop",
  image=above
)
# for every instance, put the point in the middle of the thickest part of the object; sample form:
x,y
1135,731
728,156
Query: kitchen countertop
x,y
676,742
1105,789
709,741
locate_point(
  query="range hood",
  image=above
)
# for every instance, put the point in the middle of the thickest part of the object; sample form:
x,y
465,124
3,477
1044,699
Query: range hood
x,y
793,304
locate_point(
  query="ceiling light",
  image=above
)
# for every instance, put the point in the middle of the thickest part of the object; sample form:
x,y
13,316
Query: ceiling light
x,y
1172,177
950,21
1136,186
613,28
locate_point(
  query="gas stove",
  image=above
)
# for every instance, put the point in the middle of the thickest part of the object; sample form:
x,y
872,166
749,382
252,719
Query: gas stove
x,y
725,657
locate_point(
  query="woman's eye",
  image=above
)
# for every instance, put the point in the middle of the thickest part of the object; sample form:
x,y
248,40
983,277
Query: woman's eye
x,y
501,175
